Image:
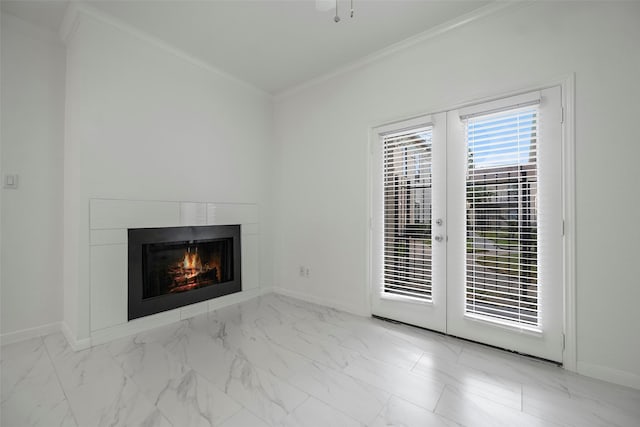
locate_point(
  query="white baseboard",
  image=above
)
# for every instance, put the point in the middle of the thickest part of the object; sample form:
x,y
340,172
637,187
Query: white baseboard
x,y
322,301
26,334
75,344
611,375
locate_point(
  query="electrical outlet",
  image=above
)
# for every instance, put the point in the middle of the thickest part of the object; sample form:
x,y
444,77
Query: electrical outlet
x,y
10,181
304,271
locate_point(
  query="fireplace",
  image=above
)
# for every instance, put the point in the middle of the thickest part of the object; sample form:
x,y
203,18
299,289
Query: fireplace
x,y
175,266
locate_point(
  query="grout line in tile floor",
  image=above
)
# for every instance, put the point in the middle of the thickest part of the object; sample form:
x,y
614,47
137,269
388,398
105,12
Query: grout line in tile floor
x,y
57,374
347,352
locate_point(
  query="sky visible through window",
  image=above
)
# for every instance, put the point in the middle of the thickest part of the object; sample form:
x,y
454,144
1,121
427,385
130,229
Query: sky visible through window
x,y
502,139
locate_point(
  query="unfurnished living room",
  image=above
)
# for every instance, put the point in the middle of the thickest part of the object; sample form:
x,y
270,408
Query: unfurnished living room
x,y
315,213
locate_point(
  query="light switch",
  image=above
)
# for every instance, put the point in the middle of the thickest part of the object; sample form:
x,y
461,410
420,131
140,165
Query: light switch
x,y
11,181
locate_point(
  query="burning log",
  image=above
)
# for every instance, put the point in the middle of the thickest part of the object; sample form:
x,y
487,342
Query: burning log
x,y
190,273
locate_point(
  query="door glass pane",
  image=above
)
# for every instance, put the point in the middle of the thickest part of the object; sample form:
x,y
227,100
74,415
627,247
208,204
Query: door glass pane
x,y
407,214
502,229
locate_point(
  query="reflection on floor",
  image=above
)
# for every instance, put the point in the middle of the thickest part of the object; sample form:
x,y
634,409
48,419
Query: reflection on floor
x,y
277,361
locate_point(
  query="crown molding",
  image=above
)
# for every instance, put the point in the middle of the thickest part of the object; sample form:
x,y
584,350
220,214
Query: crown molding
x,y
77,11
475,15
70,23
31,30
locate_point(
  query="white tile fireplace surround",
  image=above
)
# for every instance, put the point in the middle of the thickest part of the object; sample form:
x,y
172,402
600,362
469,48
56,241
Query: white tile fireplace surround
x,y
109,220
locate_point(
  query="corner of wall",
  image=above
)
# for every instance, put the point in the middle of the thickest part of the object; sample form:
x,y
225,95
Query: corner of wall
x,y
70,22
76,344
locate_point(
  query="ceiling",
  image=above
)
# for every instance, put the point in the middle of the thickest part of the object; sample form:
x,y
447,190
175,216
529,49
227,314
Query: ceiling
x,y
271,44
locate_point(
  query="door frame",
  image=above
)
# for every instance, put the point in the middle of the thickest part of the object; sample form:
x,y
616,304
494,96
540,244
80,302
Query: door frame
x,y
567,88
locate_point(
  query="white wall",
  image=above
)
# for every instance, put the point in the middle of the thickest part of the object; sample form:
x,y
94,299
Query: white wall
x,y
322,136
33,66
143,123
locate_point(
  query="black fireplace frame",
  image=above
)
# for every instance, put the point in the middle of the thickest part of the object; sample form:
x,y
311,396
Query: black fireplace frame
x,y
139,307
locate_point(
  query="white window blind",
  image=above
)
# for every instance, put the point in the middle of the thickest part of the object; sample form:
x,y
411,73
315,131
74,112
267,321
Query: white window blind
x,y
502,217
407,213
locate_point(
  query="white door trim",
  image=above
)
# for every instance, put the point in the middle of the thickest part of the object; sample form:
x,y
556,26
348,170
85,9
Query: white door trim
x,y
567,84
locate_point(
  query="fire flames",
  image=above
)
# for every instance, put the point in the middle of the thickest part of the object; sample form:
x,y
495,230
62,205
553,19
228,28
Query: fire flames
x,y
190,272
191,264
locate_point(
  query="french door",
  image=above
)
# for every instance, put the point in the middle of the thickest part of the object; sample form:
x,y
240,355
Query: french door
x,y
467,223
409,206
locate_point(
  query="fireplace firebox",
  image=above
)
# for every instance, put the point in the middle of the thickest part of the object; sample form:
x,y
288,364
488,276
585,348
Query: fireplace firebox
x,y
175,266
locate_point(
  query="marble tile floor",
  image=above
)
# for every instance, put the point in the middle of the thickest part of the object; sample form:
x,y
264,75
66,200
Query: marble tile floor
x,y
277,361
